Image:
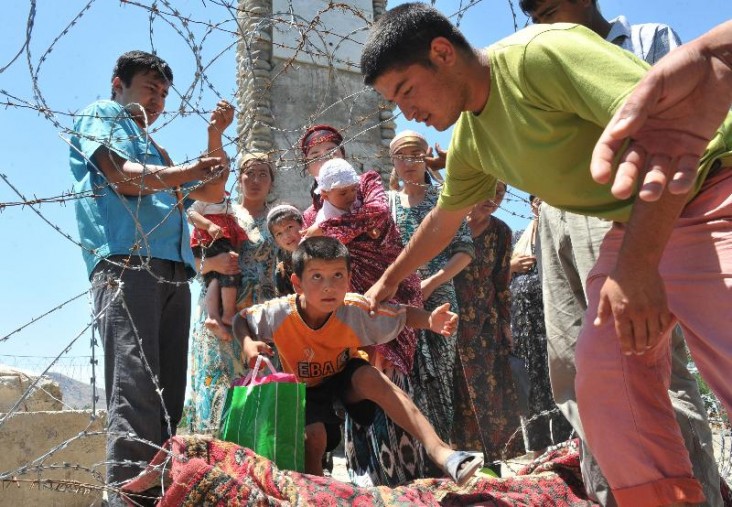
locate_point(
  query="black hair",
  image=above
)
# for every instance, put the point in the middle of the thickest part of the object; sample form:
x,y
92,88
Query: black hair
x,y
321,248
529,6
403,36
140,62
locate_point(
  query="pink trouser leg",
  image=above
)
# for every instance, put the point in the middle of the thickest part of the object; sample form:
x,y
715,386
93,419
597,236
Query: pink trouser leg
x,y
623,401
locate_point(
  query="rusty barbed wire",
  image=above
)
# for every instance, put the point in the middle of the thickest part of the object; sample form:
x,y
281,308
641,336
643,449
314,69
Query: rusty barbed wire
x,y
196,34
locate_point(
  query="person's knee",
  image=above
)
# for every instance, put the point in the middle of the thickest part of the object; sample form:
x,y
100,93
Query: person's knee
x,y
316,438
368,373
368,380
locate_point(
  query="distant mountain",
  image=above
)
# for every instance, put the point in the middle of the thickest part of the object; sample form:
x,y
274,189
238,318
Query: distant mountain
x,y
77,395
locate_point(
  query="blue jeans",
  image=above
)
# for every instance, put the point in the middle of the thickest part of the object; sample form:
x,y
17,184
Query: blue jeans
x,y
144,325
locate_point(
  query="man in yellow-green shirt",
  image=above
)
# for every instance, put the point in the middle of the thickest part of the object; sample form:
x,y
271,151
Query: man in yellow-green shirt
x,y
529,110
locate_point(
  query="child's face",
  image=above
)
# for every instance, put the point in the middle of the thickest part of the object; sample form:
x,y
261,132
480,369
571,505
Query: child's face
x,y
342,198
323,285
287,234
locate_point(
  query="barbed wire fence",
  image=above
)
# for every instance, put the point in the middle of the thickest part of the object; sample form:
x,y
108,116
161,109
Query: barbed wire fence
x,y
239,35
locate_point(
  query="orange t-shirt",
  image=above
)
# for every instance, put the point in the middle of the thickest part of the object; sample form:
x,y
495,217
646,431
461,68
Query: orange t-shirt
x,y
316,354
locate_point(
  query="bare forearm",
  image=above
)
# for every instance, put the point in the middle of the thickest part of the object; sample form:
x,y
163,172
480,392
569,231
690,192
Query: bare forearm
x,y
452,267
633,295
136,179
431,237
640,248
719,41
215,143
199,221
214,189
241,330
132,178
418,318
211,191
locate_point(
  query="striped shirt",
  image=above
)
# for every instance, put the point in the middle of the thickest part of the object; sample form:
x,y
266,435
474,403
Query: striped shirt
x,y
316,354
648,41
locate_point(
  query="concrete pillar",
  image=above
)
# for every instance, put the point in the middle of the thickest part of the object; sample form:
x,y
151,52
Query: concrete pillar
x,y
298,65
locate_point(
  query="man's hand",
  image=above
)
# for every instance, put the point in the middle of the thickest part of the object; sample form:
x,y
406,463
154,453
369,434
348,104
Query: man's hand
x,y
206,169
380,292
637,302
221,117
251,349
669,118
443,321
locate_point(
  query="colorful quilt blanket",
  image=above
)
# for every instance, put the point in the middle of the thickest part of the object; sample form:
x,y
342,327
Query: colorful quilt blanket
x,y
197,470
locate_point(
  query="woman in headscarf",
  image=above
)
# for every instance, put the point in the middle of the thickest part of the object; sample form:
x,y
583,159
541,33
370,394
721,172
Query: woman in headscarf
x,y
215,356
434,362
382,454
486,397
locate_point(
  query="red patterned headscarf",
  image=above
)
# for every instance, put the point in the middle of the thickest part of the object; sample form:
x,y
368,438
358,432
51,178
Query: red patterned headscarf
x,y
318,134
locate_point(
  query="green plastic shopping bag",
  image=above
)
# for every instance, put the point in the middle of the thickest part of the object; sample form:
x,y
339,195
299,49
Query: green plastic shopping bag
x,y
267,415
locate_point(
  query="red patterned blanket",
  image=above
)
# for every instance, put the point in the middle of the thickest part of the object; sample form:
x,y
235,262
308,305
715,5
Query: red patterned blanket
x,y
197,470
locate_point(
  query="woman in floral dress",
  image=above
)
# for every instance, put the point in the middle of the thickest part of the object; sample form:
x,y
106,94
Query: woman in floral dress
x,y
486,400
434,361
215,356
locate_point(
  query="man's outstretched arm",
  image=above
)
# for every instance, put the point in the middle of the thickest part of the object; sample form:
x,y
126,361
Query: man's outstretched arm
x,y
669,118
431,237
133,179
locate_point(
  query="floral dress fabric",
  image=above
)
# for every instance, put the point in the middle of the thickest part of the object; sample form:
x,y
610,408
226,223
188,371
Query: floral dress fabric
x,y
215,363
382,453
486,400
434,360
545,425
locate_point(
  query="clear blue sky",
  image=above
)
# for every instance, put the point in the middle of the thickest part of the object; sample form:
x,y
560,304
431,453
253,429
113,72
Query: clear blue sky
x,y
39,267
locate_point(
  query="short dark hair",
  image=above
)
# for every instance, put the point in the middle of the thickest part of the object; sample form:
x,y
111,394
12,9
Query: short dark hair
x,y
322,248
403,36
140,62
530,6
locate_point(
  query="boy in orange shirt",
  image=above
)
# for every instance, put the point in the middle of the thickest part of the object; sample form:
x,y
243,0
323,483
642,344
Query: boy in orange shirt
x,y
317,333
